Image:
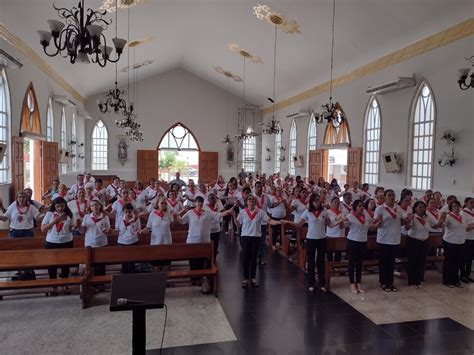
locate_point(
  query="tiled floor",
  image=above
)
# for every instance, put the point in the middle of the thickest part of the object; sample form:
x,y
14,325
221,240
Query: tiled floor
x,y
280,317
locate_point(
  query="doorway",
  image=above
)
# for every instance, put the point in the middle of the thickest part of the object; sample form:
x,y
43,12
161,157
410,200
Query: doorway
x,y
337,165
29,163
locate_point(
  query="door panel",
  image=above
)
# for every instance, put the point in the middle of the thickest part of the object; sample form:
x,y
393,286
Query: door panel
x,y
354,165
18,173
316,164
49,164
147,165
208,166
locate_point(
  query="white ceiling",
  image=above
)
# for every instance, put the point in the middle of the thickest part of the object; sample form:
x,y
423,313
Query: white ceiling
x,y
194,34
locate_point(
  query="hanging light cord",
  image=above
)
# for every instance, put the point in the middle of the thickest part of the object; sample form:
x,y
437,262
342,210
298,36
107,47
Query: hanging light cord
x,y
274,70
128,56
332,49
227,106
116,35
245,104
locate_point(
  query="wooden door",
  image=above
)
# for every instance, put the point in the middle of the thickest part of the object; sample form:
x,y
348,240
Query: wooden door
x,y
46,168
147,165
354,165
208,166
317,163
18,166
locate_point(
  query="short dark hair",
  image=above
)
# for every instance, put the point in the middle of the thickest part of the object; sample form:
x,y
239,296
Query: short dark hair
x,y
199,199
60,201
128,207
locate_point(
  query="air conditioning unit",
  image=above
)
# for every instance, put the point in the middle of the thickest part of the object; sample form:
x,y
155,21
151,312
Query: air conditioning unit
x,y
62,100
299,161
7,61
398,84
64,156
84,114
391,163
300,113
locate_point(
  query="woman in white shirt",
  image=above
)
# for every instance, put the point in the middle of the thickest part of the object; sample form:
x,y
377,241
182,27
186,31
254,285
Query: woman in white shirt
x,y
359,224
468,215
213,204
455,228
96,226
128,227
416,244
336,228
250,220
317,219
278,206
388,239
174,204
79,208
58,223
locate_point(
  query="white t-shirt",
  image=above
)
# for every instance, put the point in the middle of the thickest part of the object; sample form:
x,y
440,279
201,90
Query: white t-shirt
x,y
128,233
232,197
216,225
433,217
336,231
113,191
356,195
262,203
454,230
117,207
74,188
251,222
357,229
403,214
389,231
300,207
220,190
280,210
420,228
199,225
101,194
79,210
345,208
468,216
316,224
159,224
60,232
150,193
444,208
21,217
67,196
174,206
95,237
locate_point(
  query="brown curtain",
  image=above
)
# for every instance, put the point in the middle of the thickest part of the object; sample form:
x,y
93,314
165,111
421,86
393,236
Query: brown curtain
x,y
343,136
330,134
30,121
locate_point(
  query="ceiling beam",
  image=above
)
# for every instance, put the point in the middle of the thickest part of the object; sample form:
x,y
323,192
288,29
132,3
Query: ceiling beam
x,y
454,33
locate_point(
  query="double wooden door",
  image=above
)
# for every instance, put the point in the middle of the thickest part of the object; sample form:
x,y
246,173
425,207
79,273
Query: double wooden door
x,y
318,164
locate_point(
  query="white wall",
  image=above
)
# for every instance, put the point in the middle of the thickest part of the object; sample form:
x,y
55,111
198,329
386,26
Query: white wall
x,y
455,110
163,100
18,80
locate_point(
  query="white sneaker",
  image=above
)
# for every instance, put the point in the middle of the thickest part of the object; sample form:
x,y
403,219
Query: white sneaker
x,y
311,289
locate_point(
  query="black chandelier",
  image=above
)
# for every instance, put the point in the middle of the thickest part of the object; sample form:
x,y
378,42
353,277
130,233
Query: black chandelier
x,y
114,100
132,128
80,36
272,127
462,76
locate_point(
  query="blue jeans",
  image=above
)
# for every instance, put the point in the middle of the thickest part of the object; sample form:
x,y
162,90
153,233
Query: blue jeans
x,y
20,233
262,248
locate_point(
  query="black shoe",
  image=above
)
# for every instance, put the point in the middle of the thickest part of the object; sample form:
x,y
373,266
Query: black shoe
x,y
262,262
465,280
17,276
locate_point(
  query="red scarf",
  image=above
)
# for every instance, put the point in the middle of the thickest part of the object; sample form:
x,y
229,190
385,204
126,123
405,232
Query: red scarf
x,y
193,192
212,209
360,218
160,214
392,213
457,218
97,219
262,199
127,223
468,212
251,215
336,212
421,220
434,213
20,212
316,213
403,208
121,202
62,194
171,203
371,214
347,206
197,213
83,212
58,225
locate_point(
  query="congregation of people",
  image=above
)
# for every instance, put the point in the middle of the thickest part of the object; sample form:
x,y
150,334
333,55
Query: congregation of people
x,y
250,206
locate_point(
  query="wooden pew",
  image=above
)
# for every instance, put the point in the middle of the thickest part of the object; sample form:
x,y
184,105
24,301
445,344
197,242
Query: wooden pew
x,y
173,252
41,259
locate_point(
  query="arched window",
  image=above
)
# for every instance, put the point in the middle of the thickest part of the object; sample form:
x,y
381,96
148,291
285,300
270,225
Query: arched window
x,y
278,150
30,116
292,146
312,137
249,152
50,122
73,143
62,139
422,132
99,146
372,142
4,127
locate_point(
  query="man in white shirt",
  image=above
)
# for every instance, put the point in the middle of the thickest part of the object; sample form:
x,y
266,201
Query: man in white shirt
x,y
79,184
178,181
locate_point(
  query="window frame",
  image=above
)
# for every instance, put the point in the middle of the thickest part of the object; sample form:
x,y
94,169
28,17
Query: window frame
x,y
312,123
292,147
367,140
50,121
6,165
74,145
100,165
278,140
249,150
63,139
411,133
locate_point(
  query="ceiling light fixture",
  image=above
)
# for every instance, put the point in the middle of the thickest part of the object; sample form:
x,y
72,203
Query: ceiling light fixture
x,y
228,74
137,65
332,112
462,76
234,47
264,13
111,5
113,99
137,42
80,37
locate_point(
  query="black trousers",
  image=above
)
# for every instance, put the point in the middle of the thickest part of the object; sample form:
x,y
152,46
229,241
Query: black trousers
x,y
215,239
453,258
197,264
250,247
276,232
313,246
416,251
356,252
468,256
263,242
53,270
129,266
387,254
